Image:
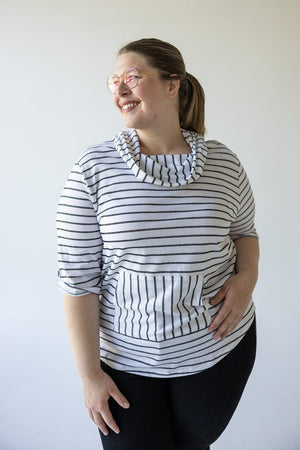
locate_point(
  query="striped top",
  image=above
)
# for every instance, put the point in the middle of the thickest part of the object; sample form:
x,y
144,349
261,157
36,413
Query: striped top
x,y
153,237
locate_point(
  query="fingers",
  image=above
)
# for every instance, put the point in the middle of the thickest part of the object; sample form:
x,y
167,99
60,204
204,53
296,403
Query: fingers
x,y
98,420
99,411
105,413
103,419
223,325
235,302
219,323
226,320
109,420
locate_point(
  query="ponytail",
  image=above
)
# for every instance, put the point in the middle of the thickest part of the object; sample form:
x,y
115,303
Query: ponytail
x,y
191,105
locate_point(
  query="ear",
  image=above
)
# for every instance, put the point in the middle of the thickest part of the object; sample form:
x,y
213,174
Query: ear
x,y
173,86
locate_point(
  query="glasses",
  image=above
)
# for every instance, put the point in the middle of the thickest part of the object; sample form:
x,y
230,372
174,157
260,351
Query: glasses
x,y
130,77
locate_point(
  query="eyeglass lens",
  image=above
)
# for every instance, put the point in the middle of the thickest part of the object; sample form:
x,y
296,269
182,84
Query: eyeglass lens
x,y
130,78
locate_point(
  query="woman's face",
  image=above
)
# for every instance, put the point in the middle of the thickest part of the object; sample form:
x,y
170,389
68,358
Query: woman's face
x,y
146,106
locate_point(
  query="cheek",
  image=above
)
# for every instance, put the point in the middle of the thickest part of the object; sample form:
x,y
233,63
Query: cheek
x,y
115,102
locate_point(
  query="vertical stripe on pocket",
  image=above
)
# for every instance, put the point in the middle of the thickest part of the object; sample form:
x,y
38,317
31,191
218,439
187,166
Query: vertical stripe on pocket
x,y
159,307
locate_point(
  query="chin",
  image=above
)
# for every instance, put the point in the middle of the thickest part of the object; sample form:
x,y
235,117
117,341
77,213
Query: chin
x,y
130,123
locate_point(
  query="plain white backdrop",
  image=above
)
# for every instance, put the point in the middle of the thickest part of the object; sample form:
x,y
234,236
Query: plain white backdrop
x,y
55,56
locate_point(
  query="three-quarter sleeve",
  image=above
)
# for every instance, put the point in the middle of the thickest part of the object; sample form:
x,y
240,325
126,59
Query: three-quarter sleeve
x,y
78,237
243,225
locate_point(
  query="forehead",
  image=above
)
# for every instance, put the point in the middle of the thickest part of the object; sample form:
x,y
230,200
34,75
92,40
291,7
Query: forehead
x,y
128,60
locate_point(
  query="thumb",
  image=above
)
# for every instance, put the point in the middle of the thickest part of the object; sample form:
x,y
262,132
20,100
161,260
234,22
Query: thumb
x,y
119,397
218,297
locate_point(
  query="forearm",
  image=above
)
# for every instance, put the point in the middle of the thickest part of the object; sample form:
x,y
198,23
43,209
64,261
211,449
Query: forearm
x,y
247,257
82,319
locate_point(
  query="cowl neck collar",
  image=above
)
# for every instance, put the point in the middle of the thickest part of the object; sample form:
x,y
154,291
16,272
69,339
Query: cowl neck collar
x,y
170,171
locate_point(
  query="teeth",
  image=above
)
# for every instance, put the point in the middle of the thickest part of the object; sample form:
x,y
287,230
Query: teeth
x,y
129,105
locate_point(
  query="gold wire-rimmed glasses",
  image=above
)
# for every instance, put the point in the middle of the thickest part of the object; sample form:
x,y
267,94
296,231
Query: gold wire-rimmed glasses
x,y
130,77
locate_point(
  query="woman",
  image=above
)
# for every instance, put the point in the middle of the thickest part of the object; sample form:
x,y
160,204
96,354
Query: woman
x,y
157,248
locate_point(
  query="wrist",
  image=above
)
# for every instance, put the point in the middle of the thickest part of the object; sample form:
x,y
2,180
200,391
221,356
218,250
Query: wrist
x,y
251,271
91,374
250,275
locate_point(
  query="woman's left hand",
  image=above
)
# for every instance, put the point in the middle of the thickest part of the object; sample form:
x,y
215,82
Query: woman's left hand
x,y
236,293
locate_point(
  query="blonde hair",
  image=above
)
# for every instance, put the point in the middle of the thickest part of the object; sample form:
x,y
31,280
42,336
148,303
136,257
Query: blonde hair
x,y
168,60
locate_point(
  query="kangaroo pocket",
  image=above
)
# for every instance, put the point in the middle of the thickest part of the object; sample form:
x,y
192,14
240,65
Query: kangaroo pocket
x,y
159,307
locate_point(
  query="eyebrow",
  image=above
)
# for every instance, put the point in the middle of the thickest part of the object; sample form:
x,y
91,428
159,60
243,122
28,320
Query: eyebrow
x,y
129,68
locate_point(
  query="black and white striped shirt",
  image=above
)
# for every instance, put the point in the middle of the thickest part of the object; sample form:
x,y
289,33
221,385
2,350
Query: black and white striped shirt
x,y
153,237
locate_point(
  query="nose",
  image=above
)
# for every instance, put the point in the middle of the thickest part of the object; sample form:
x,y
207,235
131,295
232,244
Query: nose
x,y
123,89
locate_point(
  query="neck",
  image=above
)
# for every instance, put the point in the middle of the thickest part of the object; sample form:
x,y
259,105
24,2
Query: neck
x,y
163,143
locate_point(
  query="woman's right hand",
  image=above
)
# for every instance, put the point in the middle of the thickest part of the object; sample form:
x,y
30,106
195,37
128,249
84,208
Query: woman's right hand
x,y
97,389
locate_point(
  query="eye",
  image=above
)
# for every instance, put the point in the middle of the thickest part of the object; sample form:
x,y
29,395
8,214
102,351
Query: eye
x,y
113,80
131,77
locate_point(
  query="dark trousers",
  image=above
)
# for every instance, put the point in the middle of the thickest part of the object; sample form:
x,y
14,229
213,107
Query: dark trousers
x,y
181,413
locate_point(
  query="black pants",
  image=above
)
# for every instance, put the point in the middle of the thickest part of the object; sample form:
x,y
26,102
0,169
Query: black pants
x,y
181,413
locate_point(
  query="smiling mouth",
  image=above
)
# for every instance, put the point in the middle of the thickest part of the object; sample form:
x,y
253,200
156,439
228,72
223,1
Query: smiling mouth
x,y
129,106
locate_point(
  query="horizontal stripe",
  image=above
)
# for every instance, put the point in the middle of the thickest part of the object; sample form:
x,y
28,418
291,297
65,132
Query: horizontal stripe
x,y
153,237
